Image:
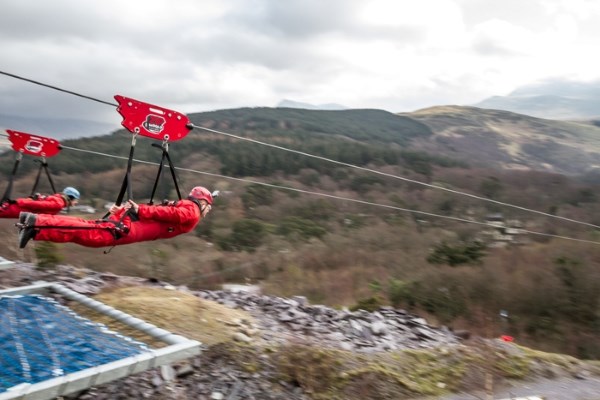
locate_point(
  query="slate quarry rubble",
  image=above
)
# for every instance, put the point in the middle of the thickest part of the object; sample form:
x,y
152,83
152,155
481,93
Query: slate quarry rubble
x,y
276,321
384,330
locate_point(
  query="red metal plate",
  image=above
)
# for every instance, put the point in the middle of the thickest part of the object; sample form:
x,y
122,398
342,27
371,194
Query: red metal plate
x,y
34,145
152,121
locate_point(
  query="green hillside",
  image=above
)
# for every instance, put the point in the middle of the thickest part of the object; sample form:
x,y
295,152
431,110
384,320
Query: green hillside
x,y
370,251
506,140
358,137
364,125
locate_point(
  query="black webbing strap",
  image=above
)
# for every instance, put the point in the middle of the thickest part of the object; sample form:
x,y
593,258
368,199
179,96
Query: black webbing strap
x,y
126,185
172,168
8,191
43,166
165,155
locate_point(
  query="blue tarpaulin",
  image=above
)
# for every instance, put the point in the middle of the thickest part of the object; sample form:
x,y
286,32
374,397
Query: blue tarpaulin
x,y
41,339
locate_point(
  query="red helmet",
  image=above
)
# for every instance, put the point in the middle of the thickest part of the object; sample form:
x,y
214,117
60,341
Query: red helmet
x,y
201,193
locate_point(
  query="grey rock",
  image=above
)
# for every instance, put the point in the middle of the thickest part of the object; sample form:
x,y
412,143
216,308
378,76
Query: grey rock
x,y
167,372
378,328
277,321
300,300
240,337
157,381
346,346
184,369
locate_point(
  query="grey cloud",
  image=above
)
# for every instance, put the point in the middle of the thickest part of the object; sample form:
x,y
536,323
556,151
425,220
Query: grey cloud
x,y
560,87
183,59
518,11
488,47
28,100
26,19
263,51
297,18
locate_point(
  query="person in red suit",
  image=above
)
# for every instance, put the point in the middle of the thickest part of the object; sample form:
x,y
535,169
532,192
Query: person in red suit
x,y
50,204
129,223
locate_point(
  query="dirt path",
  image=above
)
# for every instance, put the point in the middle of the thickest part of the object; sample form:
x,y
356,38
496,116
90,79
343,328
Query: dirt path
x,y
555,389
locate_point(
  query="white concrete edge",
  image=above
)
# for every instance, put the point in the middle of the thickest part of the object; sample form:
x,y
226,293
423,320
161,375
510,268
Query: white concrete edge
x,y
179,348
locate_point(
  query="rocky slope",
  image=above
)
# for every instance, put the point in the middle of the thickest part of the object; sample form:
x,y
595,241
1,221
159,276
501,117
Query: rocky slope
x,y
250,366
507,140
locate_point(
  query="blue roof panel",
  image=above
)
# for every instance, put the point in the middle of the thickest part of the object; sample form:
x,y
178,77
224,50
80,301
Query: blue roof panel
x,y
41,339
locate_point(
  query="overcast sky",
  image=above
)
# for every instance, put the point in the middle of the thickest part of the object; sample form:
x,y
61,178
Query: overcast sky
x,y
199,55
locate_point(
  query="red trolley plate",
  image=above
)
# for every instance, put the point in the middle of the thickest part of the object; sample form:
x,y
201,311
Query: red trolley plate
x,y
33,145
152,121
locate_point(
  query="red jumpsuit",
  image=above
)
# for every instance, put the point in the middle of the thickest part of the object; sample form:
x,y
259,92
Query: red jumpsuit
x,y
51,204
154,222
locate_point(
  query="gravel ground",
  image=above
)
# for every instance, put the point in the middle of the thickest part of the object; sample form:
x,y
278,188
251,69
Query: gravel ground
x,y
210,376
548,389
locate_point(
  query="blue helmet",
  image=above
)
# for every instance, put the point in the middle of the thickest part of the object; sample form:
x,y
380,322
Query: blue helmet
x,y
72,192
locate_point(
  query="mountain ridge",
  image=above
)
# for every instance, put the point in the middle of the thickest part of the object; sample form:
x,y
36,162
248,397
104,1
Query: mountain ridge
x,y
499,138
552,98
511,141
285,103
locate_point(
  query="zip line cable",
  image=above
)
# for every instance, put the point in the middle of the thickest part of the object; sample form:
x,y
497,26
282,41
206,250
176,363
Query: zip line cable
x,y
330,160
330,196
57,88
394,176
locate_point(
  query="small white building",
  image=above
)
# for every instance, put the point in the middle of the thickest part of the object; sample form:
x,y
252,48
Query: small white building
x,y
502,232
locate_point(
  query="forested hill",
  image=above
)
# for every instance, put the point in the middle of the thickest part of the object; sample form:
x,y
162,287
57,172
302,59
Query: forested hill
x,y
505,140
374,126
492,138
443,136
358,137
370,251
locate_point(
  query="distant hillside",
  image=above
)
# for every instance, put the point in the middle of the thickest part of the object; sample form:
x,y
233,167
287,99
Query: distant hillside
x,y
358,137
444,136
296,104
365,125
499,139
507,140
554,99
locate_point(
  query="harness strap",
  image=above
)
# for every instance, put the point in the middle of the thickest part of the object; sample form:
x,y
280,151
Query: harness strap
x,y
8,191
165,155
120,228
44,166
172,168
126,185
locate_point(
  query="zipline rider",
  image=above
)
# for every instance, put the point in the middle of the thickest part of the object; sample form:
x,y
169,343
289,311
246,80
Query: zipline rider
x,y
130,223
38,203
